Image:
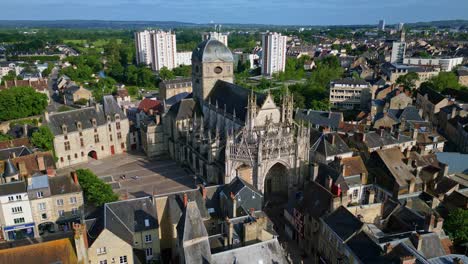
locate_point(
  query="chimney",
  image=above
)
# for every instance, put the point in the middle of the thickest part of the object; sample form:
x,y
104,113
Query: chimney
x,y
363,137
332,139
315,171
13,155
329,183
46,116
371,196
25,130
381,131
40,163
29,180
50,172
230,231
74,176
158,119
150,111
185,200
234,205
388,248
407,260
414,134
81,242
203,191
252,212
344,170
454,112
96,106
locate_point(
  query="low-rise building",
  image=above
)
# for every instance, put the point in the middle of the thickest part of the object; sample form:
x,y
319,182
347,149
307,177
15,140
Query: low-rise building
x,y
430,102
56,202
445,64
77,94
92,132
173,91
349,93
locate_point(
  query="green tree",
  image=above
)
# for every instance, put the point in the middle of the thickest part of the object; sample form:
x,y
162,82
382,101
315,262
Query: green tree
x,y
166,74
408,80
95,190
323,105
183,70
5,137
20,102
445,80
47,71
43,138
456,225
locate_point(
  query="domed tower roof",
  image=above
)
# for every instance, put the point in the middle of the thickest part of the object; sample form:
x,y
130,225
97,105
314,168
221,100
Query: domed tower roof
x,y
212,50
9,169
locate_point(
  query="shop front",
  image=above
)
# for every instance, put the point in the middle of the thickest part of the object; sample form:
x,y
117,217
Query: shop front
x,y
17,232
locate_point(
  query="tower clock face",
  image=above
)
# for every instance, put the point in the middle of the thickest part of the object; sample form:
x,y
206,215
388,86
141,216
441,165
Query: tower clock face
x,y
218,70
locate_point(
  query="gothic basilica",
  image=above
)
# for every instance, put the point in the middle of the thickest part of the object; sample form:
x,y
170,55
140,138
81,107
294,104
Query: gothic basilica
x,y
222,130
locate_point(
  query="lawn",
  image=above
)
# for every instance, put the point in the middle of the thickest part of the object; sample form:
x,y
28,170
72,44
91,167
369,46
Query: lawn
x,y
98,44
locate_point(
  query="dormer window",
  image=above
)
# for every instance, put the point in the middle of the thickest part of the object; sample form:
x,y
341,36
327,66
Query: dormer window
x,y
64,129
93,121
78,125
117,117
108,119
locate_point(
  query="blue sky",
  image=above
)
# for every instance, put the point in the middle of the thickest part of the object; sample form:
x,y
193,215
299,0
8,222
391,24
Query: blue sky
x,y
307,12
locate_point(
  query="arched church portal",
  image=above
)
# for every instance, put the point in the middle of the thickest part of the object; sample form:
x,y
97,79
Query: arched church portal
x,y
276,183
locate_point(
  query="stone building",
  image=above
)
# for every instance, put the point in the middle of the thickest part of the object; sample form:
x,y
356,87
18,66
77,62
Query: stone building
x,y
430,102
56,202
75,94
171,89
225,130
94,132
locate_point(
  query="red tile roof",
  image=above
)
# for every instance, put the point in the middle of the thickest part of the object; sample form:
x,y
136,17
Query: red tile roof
x,y
39,85
147,104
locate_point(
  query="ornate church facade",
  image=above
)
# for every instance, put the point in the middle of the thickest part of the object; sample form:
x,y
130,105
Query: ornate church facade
x,y
223,130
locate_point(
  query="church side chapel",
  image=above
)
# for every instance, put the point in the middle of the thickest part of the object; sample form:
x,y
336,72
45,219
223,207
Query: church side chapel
x,y
223,131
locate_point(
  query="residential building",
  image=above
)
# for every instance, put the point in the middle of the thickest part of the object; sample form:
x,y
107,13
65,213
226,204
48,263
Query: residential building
x,y
183,58
16,219
398,49
221,37
445,64
394,70
56,202
430,102
369,142
156,48
381,26
462,74
328,146
76,94
320,119
273,53
172,91
349,94
92,132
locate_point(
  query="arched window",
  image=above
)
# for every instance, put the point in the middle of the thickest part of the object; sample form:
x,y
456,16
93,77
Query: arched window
x,y
93,121
78,125
64,129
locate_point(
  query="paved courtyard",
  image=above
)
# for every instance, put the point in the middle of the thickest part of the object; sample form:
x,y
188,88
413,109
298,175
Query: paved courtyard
x,y
136,176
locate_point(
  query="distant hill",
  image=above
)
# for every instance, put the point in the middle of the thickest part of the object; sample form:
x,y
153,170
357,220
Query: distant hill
x,y
112,24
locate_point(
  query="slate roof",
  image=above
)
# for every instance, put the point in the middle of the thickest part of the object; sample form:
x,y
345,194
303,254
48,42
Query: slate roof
x,y
236,185
269,251
63,184
323,143
316,201
233,97
183,109
85,116
374,140
212,50
431,245
432,95
343,223
326,171
448,259
17,151
133,214
191,227
39,182
9,169
410,113
12,188
70,119
320,118
364,248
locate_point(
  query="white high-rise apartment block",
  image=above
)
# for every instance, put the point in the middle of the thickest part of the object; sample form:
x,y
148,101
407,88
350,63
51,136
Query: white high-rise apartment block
x,y
221,37
398,49
143,47
273,53
156,48
382,25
